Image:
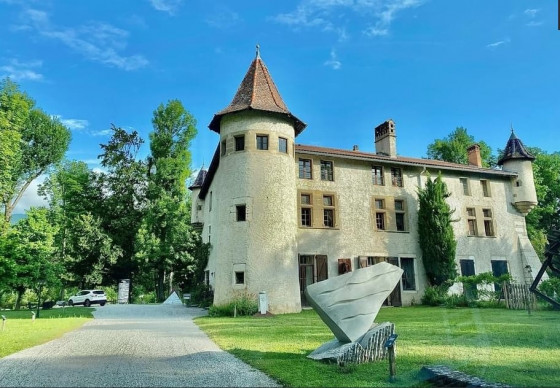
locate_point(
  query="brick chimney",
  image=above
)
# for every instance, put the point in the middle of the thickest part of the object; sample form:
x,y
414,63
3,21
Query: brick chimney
x,y
474,155
386,139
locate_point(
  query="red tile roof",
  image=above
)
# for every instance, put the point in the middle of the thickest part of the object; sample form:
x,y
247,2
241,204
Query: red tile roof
x,y
399,160
258,92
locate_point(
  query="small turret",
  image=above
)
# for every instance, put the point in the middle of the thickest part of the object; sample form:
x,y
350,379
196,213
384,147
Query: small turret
x,y
197,203
517,159
386,139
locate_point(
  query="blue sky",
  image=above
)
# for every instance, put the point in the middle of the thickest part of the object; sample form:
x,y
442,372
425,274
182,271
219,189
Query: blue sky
x,y
341,66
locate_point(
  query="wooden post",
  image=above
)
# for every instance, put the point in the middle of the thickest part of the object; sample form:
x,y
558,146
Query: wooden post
x,y
235,310
392,364
3,322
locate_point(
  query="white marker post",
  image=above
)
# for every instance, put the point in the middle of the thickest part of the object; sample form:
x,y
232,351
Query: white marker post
x,y
33,316
3,322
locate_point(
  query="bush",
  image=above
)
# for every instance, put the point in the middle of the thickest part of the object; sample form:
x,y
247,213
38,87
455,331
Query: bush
x,y
551,288
433,296
202,296
111,293
244,305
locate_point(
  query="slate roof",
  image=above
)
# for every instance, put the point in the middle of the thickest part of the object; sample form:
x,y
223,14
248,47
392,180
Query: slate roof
x,y
199,180
399,160
257,92
515,150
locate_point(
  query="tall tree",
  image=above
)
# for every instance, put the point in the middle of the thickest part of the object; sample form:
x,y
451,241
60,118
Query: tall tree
x,y
31,248
164,237
124,188
435,233
42,139
453,148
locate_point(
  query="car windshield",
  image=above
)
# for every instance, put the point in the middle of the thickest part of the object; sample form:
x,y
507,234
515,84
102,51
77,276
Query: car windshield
x,y
99,292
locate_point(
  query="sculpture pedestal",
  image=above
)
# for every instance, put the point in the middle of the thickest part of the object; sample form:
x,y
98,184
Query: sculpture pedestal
x,y
369,347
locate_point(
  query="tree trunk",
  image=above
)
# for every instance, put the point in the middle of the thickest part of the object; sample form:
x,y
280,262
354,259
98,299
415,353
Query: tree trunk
x,y
19,293
160,285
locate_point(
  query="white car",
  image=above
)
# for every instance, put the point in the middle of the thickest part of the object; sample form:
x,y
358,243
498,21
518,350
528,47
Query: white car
x,y
88,297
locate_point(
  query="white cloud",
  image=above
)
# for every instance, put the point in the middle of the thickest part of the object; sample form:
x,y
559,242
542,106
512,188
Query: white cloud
x,y
498,43
169,6
534,23
333,61
98,42
223,18
374,16
531,12
30,197
20,71
103,132
74,124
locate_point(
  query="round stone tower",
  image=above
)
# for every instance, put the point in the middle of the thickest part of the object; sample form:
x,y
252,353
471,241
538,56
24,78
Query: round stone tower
x,y
517,159
255,246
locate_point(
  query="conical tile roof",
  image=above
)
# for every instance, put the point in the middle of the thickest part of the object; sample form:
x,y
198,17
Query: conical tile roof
x,y
515,150
199,180
258,92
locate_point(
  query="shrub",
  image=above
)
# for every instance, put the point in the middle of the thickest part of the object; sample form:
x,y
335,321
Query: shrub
x,y
202,296
244,305
111,294
551,288
433,296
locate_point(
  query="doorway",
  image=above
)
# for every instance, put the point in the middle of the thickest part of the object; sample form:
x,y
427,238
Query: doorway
x,y
312,269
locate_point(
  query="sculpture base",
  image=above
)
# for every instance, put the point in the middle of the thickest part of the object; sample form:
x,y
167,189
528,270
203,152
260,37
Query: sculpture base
x,y
368,348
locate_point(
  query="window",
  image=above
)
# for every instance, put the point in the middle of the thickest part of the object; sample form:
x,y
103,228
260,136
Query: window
x,y
283,145
328,211
467,269
465,184
262,142
485,188
471,222
379,204
210,203
239,142
377,175
499,268
306,213
488,222
396,177
209,233
223,147
326,170
408,276
518,183
380,221
240,277
241,212
400,215
305,168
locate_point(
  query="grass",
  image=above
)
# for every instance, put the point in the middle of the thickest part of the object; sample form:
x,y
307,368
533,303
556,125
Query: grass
x,y
20,332
498,345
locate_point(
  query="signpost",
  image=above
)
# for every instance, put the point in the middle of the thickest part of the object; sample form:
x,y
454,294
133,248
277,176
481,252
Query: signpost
x,y
124,288
390,345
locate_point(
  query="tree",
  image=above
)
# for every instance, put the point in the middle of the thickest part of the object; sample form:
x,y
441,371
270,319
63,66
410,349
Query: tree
x,y
124,188
453,148
435,233
90,251
30,246
163,241
32,141
546,215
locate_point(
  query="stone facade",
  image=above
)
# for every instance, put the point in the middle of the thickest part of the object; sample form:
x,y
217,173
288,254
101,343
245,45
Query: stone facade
x,y
281,216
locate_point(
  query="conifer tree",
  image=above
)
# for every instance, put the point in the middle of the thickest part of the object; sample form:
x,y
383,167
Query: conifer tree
x,y
435,233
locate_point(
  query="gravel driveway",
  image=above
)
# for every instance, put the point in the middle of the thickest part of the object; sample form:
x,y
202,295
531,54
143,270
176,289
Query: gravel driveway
x,y
131,346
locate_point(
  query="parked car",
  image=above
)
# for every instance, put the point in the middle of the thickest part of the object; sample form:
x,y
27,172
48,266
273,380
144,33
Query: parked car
x,y
88,297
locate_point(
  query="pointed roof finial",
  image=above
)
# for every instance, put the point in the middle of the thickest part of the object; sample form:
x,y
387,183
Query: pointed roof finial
x,y
258,51
511,125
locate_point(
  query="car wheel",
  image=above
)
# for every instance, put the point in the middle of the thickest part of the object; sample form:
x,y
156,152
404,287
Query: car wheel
x,y
87,303
102,304
70,303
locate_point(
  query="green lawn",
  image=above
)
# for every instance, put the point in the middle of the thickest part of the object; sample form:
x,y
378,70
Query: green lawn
x,y
20,332
498,345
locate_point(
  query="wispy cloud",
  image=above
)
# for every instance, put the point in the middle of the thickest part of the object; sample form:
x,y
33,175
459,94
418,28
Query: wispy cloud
x,y
103,132
74,124
531,12
169,6
498,43
534,23
375,17
333,61
223,18
20,71
98,42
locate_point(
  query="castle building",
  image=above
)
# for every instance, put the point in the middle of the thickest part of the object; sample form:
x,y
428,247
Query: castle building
x,y
280,215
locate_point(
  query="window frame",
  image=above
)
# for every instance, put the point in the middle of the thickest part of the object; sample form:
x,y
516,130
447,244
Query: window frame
x,y
487,216
306,220
280,141
485,185
377,175
466,186
262,142
326,174
303,169
413,277
471,220
241,212
239,142
329,208
397,179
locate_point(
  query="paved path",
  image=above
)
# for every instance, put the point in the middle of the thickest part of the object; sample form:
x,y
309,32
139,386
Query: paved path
x,y
131,346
